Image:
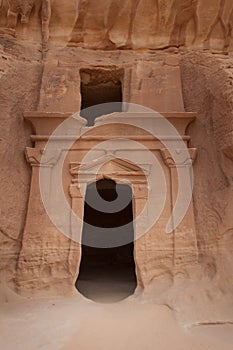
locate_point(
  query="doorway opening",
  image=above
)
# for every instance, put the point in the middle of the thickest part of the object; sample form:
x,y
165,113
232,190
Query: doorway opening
x,y
100,86
107,269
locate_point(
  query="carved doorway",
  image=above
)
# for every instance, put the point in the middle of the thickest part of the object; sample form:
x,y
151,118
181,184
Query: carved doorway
x,y
107,269
100,89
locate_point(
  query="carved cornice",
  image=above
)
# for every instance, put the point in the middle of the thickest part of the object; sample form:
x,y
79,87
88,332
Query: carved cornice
x,y
151,121
181,155
44,123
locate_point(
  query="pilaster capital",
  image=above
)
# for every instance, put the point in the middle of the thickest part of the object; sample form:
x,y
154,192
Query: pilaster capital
x,y
35,159
181,157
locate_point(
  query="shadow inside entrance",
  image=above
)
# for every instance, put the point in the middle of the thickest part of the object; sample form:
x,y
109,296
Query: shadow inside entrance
x,y
107,274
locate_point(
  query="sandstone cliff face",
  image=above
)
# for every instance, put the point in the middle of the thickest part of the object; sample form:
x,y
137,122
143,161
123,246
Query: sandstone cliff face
x,y
19,81
207,86
118,24
31,79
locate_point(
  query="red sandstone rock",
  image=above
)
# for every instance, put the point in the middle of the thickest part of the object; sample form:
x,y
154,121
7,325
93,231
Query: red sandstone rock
x,y
47,79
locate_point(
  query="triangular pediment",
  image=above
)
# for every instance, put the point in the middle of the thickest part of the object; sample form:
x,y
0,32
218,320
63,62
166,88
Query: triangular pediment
x,y
108,164
120,165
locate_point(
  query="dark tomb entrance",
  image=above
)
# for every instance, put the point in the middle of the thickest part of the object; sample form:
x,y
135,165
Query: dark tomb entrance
x,y
101,92
107,270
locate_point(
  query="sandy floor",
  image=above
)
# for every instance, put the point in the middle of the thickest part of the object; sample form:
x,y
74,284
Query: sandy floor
x,y
77,323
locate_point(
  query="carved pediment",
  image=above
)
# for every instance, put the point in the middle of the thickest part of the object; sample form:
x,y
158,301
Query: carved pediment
x,y
109,165
120,166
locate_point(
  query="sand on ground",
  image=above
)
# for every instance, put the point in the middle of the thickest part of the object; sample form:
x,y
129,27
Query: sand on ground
x,y
69,323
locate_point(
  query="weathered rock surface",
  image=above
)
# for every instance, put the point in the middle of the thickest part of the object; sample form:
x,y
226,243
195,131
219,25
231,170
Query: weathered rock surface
x,y
30,80
118,24
207,86
20,79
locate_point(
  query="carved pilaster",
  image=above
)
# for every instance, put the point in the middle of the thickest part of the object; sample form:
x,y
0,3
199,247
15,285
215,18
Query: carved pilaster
x,y
185,242
77,190
140,191
77,193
